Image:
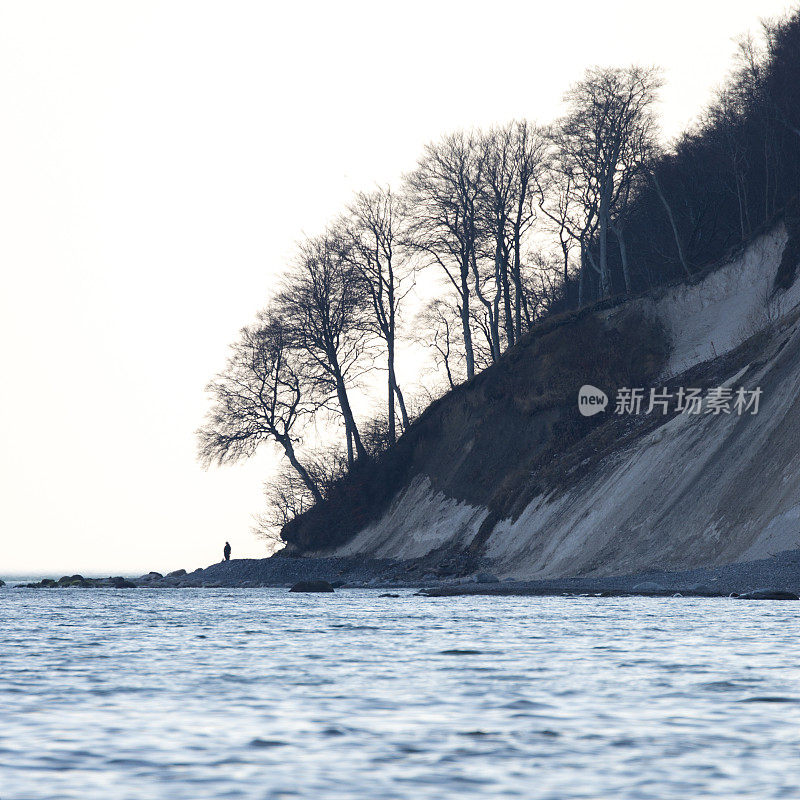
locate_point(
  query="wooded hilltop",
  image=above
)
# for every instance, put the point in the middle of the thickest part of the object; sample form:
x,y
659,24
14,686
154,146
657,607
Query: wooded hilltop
x,y
513,229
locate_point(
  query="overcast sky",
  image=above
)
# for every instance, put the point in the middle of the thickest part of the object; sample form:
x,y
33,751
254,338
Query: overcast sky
x,y
157,162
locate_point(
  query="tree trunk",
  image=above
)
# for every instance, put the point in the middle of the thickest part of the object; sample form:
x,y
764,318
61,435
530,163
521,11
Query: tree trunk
x,y
348,436
300,469
494,326
390,386
395,389
588,259
492,307
517,278
353,437
390,410
465,322
605,283
623,254
668,209
603,255
506,289
402,403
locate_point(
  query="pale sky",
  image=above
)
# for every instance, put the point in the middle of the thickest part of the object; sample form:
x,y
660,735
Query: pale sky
x,y
158,160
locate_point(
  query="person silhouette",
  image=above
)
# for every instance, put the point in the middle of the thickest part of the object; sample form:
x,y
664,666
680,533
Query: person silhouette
x,y
226,551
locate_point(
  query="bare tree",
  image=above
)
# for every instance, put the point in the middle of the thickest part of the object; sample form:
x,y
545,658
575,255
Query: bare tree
x,y
434,328
610,120
437,328
496,207
260,396
652,160
373,248
287,497
618,219
443,194
543,284
557,200
324,306
516,158
570,203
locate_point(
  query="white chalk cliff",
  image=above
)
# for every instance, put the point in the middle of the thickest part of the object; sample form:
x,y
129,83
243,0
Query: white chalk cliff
x,y
696,490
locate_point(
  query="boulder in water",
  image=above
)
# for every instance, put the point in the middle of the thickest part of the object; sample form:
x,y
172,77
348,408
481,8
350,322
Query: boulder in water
x,y
312,586
486,577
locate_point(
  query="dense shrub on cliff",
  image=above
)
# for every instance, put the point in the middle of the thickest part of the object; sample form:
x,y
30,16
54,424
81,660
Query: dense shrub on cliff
x,y
730,175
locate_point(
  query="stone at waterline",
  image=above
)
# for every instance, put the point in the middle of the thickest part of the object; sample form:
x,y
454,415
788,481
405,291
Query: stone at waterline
x,y
486,577
312,586
119,582
176,573
68,580
649,586
72,581
769,594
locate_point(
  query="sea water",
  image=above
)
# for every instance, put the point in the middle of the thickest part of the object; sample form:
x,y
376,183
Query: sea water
x,y
265,694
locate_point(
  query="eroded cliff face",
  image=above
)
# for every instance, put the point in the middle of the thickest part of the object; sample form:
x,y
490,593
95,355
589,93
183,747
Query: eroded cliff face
x,y
480,443
505,470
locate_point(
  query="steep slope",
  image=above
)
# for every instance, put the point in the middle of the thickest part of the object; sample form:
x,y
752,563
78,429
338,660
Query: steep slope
x,y
504,471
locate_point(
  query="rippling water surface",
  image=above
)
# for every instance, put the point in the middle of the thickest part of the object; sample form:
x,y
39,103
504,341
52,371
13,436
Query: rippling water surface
x,y
263,694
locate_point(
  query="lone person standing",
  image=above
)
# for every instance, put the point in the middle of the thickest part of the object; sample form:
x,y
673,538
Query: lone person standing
x,y
226,551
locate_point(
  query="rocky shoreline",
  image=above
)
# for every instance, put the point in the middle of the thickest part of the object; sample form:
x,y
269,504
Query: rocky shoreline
x,y
774,578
